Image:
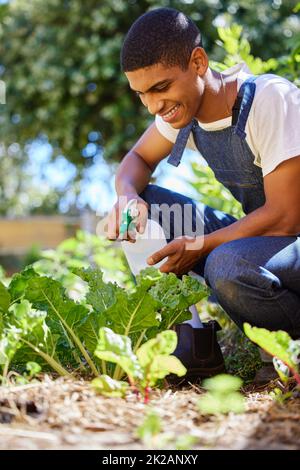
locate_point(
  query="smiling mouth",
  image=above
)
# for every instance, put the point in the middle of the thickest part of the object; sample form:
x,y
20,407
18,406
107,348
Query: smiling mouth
x,y
171,113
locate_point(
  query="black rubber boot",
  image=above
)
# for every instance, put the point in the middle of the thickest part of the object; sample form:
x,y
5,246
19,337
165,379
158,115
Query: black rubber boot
x,y
199,351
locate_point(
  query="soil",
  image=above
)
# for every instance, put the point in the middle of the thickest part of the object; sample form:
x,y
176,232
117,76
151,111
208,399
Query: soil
x,y
66,414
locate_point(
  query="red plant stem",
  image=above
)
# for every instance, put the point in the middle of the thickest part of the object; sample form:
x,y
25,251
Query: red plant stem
x,y
147,394
133,387
296,376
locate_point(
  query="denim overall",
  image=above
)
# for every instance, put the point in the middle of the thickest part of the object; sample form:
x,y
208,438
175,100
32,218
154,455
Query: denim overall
x,y
255,279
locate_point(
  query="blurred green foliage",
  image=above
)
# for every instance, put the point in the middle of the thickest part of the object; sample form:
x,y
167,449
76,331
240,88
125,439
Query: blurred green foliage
x,y
83,251
238,49
2,274
242,357
222,396
60,61
212,193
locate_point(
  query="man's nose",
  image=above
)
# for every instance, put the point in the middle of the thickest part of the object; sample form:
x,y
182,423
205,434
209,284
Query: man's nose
x,y
153,104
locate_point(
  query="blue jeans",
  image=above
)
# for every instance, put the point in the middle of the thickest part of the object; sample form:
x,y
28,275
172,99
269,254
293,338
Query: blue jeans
x,y
255,279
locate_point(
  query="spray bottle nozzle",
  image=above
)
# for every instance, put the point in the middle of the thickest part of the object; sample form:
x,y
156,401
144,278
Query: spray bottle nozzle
x,y
129,214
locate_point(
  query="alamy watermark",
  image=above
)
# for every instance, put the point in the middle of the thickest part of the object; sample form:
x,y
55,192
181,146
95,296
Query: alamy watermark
x,y
2,92
176,220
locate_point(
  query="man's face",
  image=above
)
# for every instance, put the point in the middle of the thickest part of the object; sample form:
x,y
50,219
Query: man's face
x,y
168,91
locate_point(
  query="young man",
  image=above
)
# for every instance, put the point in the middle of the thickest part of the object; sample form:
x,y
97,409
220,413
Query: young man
x,y
248,130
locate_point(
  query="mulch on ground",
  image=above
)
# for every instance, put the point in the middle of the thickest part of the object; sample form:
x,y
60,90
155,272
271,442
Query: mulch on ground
x,y
68,414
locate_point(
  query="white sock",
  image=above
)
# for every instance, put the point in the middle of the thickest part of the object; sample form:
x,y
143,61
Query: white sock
x,y
195,321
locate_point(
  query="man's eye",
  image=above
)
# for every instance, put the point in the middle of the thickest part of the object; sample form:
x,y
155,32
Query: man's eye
x,y
162,89
157,90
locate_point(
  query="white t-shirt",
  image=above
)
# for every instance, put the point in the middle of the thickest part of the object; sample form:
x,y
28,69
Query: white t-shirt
x,y
273,124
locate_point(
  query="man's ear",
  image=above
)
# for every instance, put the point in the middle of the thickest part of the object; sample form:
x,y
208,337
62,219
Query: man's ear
x,y
199,61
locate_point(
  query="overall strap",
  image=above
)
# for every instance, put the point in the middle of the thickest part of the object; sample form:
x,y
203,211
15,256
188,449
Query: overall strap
x,y
242,106
180,144
240,112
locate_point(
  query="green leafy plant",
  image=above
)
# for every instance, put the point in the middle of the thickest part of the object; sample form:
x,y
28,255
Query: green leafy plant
x,y
39,322
222,395
152,361
152,435
280,396
150,428
279,344
28,376
25,335
155,303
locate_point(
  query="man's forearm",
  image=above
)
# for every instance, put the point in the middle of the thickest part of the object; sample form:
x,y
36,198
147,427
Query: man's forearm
x,y
133,175
261,222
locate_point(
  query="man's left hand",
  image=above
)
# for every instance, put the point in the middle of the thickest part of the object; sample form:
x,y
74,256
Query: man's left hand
x,y
183,253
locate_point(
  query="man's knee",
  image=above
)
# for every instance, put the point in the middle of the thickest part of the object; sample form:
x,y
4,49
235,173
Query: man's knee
x,y
218,264
228,272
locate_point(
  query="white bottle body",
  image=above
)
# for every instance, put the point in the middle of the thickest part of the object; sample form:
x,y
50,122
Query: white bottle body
x,y
153,239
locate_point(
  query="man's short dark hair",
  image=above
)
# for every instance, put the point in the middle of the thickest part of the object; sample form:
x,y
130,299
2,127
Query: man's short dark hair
x,y
163,35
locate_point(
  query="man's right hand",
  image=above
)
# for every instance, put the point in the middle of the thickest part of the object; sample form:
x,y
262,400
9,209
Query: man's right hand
x,y
115,216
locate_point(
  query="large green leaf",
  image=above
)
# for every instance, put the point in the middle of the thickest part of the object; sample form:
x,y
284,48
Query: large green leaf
x,y
133,312
164,343
47,294
19,283
101,295
175,296
65,317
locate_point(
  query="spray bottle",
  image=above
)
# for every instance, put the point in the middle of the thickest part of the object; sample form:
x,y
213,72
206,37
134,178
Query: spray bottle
x,y
153,239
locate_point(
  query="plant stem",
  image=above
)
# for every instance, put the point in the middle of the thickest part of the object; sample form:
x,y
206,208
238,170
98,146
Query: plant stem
x,y
117,372
52,362
174,320
297,376
141,337
127,331
5,369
